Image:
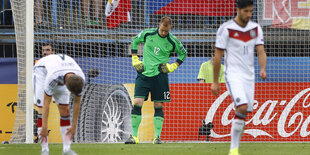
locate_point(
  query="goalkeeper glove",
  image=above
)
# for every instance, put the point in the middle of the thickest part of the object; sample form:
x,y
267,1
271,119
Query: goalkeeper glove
x,y
167,68
137,64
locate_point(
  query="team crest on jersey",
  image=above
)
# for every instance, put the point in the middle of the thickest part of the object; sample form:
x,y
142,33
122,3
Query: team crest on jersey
x,y
253,33
237,99
166,46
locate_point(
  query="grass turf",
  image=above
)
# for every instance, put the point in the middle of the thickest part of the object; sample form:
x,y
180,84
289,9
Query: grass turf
x,y
163,149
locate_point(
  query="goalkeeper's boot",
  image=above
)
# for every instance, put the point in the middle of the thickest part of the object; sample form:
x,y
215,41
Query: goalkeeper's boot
x,y
132,140
69,152
234,151
157,141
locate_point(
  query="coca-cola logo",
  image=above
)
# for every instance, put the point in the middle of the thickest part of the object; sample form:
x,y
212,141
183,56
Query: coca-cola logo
x,y
281,113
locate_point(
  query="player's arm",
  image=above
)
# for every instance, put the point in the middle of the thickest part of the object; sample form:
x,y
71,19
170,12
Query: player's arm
x,y
179,48
76,113
220,44
137,40
134,50
217,64
261,54
45,113
181,51
215,87
262,60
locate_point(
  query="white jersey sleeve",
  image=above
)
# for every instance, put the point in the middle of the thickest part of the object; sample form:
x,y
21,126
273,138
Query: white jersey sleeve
x,y
51,82
260,37
221,38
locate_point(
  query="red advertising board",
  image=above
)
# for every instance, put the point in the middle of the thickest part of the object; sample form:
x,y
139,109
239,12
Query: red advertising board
x,y
198,7
284,12
281,113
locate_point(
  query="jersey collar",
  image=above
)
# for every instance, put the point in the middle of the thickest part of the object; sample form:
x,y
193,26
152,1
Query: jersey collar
x,y
157,31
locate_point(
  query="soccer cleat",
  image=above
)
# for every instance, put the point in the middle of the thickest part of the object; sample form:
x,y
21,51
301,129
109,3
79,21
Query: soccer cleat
x,y
132,140
45,152
234,151
157,141
69,152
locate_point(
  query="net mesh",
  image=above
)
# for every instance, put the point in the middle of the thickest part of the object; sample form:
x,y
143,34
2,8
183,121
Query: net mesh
x,y
19,130
100,40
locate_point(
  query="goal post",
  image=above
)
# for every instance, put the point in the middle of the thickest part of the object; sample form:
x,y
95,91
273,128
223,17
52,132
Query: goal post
x,y
98,35
23,24
29,40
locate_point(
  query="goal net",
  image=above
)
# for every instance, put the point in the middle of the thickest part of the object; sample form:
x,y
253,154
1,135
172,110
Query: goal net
x,y
98,34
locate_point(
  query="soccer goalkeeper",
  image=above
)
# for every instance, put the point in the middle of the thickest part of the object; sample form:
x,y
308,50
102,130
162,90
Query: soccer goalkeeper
x,y
153,73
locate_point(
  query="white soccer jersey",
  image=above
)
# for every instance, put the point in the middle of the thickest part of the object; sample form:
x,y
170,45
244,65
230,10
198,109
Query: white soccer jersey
x,y
56,67
38,76
239,43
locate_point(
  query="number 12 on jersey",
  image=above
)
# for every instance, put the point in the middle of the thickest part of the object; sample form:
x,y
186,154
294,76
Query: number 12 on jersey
x,y
156,50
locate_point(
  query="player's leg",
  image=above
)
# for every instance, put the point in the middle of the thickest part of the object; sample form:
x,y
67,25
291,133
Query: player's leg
x,y
142,88
98,11
237,127
241,103
39,98
86,9
62,100
160,93
158,121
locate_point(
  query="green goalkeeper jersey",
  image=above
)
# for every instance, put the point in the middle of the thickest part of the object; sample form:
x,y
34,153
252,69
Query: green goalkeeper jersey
x,y
157,50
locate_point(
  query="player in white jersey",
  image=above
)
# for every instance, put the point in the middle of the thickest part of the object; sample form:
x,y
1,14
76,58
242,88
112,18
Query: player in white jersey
x,y
238,38
62,76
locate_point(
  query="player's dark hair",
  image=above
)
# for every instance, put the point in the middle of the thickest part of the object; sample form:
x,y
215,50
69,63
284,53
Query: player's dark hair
x,y
244,3
166,21
49,44
75,84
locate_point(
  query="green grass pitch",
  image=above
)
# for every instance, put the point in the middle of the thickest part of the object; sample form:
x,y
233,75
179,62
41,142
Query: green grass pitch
x,y
162,149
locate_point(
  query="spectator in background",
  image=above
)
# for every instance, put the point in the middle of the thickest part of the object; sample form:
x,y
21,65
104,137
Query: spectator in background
x,y
38,12
97,4
205,74
47,49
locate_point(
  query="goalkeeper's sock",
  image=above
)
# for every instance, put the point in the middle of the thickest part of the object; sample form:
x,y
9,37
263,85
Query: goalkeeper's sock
x,y
135,119
236,132
66,138
44,144
158,121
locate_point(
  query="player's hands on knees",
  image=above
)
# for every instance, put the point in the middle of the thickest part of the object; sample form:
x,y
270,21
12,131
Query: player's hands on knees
x,y
215,89
44,133
263,74
70,132
167,68
137,64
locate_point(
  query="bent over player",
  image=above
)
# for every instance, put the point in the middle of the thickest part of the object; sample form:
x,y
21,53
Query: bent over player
x,y
238,38
62,77
153,73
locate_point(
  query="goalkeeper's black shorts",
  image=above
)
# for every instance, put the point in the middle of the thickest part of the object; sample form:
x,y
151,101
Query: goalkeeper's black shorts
x,y
157,85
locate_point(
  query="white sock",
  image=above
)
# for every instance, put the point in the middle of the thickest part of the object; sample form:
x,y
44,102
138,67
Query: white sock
x,y
66,139
236,132
44,144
